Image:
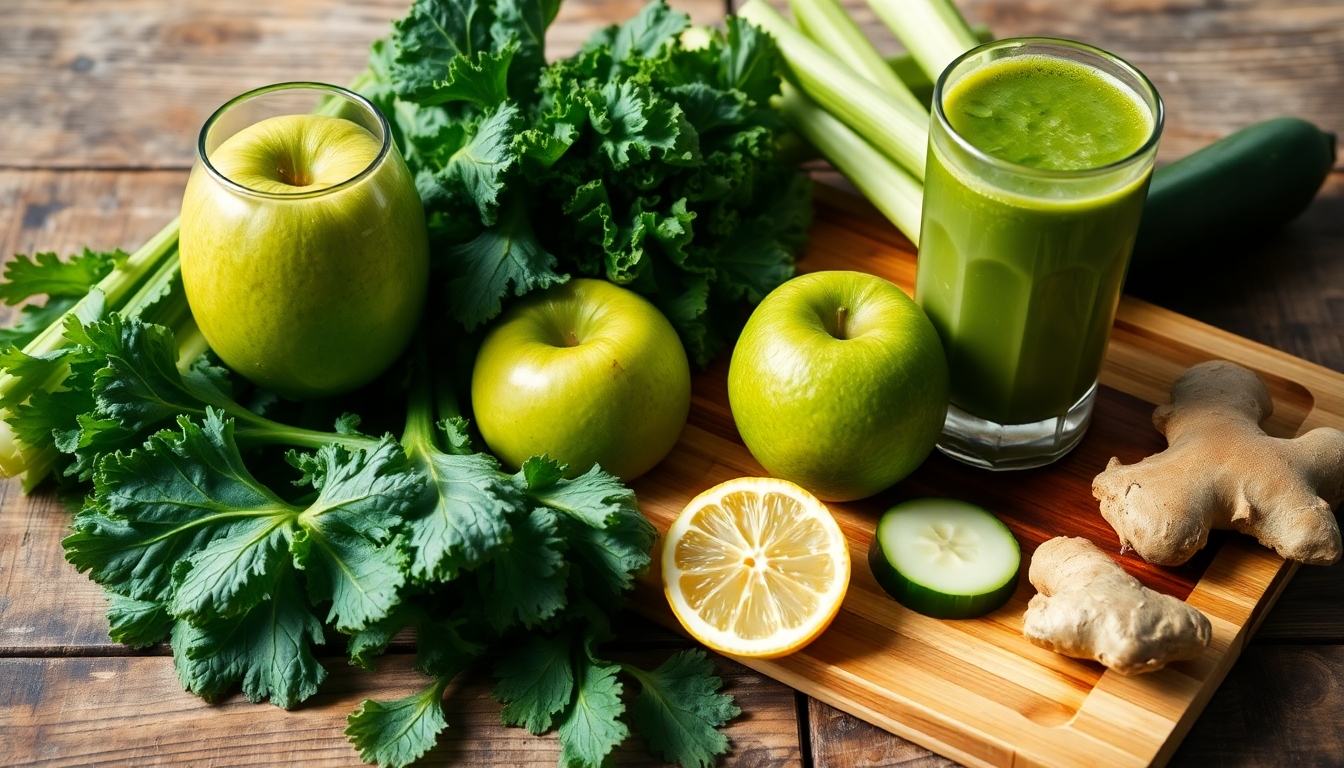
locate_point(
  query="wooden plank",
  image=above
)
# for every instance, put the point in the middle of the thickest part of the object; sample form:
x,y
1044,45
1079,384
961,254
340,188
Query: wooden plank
x,y
129,84
840,740
131,712
1255,719
1219,66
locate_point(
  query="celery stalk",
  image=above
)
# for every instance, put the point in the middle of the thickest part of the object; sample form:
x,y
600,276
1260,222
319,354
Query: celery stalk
x,y
932,30
114,288
831,27
891,189
907,69
895,128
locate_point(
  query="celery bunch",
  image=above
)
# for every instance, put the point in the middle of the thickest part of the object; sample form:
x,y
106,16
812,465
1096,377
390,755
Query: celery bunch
x,y
858,109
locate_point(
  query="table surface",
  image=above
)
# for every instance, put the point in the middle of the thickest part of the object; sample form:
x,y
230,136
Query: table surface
x,y
100,102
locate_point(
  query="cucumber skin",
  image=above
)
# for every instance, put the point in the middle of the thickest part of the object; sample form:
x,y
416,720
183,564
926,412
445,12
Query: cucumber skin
x,y
1254,181
928,602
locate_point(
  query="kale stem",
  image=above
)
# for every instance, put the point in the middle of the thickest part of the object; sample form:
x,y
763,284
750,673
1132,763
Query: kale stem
x,y
419,432
254,430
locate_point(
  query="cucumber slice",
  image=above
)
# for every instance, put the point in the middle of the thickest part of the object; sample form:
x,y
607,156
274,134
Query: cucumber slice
x,y
945,558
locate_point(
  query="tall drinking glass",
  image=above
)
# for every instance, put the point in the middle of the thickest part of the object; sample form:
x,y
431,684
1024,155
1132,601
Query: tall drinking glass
x,y
1040,153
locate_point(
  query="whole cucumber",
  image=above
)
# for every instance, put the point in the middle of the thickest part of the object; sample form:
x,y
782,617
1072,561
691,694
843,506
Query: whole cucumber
x,y
1252,182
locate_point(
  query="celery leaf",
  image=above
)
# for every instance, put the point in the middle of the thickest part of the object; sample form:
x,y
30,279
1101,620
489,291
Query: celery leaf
x,y
46,274
536,682
591,727
395,734
679,709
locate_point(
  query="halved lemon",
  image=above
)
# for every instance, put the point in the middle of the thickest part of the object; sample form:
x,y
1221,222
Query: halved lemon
x,y
755,567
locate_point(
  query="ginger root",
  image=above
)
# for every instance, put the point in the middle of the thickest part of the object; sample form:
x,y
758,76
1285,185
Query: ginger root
x,y
1221,470
1089,608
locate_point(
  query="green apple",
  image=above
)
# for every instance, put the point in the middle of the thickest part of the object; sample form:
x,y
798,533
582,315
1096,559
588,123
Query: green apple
x,y
839,384
587,373
303,283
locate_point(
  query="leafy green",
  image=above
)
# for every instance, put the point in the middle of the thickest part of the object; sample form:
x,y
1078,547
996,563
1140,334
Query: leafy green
x,y
46,274
536,682
591,727
267,649
679,709
417,721
181,524
638,159
137,623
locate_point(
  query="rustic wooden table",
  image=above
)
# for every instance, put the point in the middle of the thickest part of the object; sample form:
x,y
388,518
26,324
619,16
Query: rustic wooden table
x,y
99,107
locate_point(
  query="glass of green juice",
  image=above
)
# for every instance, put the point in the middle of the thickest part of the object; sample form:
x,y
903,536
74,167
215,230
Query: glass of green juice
x,y
1040,153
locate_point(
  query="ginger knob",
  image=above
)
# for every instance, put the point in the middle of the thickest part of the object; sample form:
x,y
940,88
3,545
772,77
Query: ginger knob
x,y
1220,470
1089,608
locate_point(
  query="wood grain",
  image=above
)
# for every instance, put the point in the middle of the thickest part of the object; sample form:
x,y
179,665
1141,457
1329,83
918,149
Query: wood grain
x,y
1255,719
1219,66
128,83
840,740
132,712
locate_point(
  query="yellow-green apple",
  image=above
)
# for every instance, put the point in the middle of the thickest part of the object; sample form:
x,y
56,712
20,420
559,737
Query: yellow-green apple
x,y
839,383
304,275
586,373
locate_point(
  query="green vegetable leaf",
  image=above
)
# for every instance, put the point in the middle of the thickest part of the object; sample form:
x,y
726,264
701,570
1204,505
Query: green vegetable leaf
x,y
140,385
749,61
632,122
536,682
137,623
472,167
465,520
397,733
36,370
440,648
45,273
507,254
481,79
430,37
679,709
268,649
653,28
525,582
372,640
32,321
595,497
233,572
613,556
344,543
591,727
524,23
540,473
160,505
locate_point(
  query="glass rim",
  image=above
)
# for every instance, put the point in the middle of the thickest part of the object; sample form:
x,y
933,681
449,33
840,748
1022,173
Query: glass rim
x,y
333,90
1155,134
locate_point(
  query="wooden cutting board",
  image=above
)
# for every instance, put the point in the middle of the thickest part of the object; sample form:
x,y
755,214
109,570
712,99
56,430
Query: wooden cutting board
x,y
976,690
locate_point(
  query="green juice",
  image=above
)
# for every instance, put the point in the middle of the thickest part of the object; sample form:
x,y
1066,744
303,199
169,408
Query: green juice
x,y
1021,262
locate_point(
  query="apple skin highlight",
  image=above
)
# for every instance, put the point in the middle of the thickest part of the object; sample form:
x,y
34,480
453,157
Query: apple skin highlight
x,y
305,291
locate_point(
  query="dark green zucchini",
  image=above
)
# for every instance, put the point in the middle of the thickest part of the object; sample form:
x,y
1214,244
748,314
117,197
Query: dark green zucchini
x,y
1237,188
